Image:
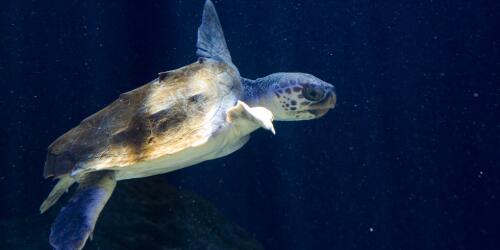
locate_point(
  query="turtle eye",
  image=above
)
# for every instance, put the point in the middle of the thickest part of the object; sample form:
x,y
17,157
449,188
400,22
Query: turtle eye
x,y
313,93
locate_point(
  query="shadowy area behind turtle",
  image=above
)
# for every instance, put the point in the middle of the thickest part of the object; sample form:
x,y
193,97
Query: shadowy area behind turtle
x,y
142,214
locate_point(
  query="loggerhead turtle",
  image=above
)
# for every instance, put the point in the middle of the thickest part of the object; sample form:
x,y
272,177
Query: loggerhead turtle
x,y
198,112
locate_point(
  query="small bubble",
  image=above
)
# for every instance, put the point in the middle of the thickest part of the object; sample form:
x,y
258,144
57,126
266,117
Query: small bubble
x,y
476,95
371,229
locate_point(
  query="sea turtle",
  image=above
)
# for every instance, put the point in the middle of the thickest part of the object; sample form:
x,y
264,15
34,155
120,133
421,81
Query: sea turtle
x,y
198,112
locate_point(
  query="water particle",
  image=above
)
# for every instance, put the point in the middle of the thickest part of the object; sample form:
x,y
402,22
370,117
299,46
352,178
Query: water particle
x,y
371,229
476,95
480,175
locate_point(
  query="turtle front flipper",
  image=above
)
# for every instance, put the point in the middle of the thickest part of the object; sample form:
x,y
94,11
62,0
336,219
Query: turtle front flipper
x,y
76,221
245,119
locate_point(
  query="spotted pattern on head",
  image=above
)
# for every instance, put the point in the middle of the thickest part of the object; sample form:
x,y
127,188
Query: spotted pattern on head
x,y
291,99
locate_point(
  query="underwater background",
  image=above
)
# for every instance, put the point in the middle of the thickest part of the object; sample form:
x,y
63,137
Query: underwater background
x,y
409,158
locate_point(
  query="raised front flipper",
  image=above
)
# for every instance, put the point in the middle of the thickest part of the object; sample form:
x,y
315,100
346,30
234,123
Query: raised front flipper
x,y
211,42
76,221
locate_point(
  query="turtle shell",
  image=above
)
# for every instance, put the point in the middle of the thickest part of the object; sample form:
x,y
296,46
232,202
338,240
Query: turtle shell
x,y
181,109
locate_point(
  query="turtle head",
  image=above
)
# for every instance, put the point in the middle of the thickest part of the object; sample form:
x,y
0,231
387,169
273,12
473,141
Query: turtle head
x,y
291,96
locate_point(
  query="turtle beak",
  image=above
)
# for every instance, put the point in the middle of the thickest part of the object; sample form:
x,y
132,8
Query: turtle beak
x,y
331,96
332,100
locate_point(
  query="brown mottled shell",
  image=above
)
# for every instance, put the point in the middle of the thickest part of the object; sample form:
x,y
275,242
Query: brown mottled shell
x,y
178,110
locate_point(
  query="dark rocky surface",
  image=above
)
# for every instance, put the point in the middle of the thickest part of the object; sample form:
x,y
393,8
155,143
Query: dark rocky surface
x,y
142,214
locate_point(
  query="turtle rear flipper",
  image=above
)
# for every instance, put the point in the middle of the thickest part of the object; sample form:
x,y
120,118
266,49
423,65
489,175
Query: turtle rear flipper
x,y
59,189
76,221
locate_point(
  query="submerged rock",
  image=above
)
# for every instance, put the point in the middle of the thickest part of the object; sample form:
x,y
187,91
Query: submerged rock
x,y
142,214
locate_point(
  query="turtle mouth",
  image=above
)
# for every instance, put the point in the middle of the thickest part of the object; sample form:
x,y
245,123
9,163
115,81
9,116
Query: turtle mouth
x,y
321,108
318,112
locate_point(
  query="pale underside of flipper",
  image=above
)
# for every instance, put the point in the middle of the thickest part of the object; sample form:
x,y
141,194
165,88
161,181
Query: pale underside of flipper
x,y
211,42
75,222
245,119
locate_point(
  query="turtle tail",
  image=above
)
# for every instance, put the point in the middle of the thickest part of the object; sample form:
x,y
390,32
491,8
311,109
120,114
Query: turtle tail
x,y
75,222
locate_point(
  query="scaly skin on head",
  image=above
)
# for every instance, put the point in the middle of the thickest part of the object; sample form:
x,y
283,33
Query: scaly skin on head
x,y
290,96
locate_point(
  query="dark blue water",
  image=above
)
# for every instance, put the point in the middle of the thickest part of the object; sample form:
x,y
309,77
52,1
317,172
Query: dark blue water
x,y
409,159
